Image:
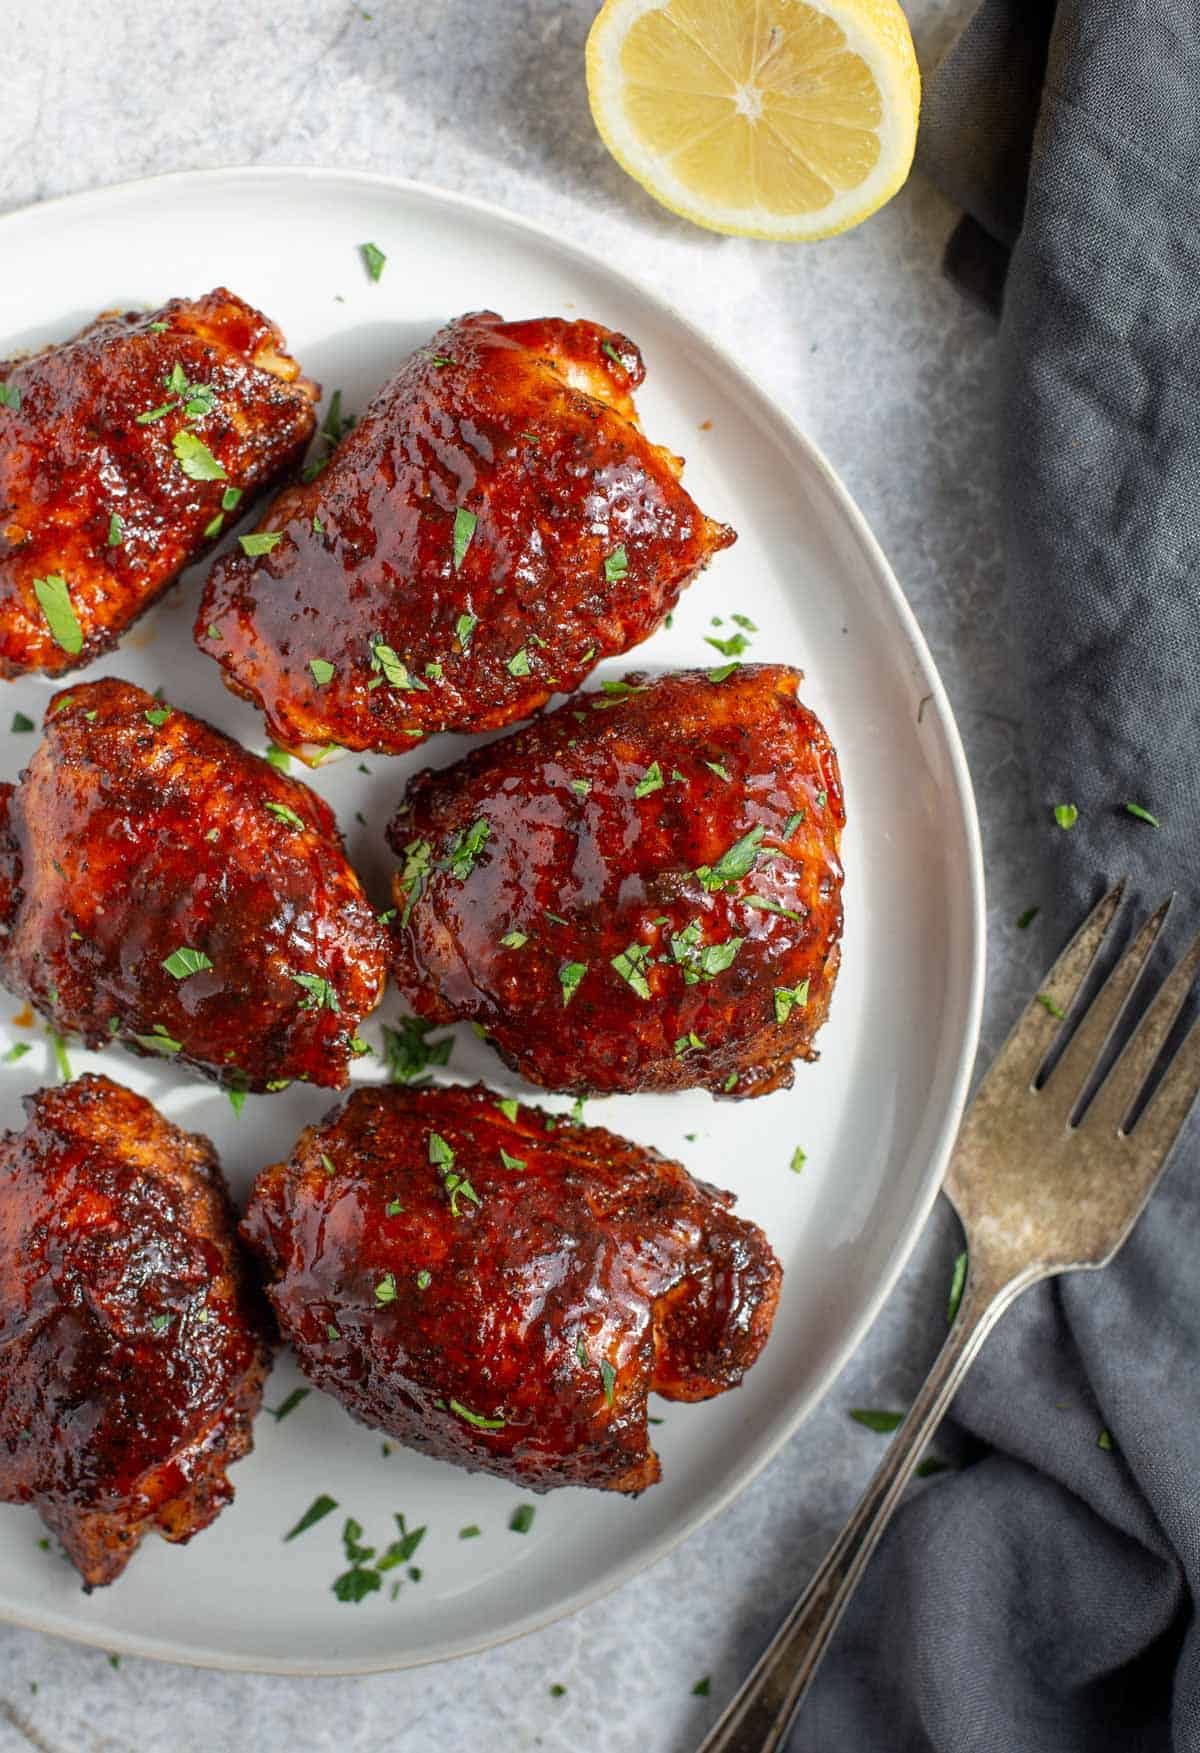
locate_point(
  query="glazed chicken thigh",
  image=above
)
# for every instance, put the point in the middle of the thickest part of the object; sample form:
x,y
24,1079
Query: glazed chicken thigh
x,y
133,1346
122,453
161,887
640,891
493,527
503,1290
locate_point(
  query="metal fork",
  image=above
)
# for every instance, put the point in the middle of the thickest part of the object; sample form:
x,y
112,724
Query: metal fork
x,y
1043,1182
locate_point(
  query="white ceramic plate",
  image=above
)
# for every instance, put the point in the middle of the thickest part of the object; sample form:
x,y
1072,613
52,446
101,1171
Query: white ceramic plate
x,y
875,1117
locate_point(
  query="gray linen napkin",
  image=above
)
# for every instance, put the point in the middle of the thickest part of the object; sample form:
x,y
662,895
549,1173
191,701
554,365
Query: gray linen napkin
x,y
1043,1598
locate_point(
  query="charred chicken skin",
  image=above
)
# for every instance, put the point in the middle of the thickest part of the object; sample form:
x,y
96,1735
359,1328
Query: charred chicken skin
x,y
121,454
502,1295
133,1345
640,891
162,887
493,527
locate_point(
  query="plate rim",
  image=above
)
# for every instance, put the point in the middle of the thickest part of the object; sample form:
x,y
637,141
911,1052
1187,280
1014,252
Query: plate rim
x,y
130,1643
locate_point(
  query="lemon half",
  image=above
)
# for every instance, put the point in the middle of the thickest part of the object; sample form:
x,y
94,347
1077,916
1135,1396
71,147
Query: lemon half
x,y
783,119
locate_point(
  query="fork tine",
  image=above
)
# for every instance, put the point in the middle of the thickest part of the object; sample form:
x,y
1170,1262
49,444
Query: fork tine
x,y
1040,1021
1124,1083
1164,1114
1082,1053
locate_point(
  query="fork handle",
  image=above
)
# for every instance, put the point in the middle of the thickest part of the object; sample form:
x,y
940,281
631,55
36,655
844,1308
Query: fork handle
x,y
762,1711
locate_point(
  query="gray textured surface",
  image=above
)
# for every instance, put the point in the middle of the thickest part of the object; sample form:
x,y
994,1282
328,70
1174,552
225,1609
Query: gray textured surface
x,y
880,360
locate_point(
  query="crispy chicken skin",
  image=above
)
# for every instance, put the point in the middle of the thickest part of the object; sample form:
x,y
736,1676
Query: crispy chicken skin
x,y
503,1295
139,837
133,1344
640,891
493,527
78,451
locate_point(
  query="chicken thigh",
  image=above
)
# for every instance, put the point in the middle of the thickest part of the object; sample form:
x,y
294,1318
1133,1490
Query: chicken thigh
x,y
122,453
162,887
493,527
133,1343
641,891
502,1289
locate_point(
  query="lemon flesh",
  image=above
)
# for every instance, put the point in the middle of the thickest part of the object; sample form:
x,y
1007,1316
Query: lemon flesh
x,y
773,118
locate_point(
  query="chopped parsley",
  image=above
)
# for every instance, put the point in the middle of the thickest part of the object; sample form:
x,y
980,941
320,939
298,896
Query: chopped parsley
x,y
385,1290
731,647
764,904
284,813
569,976
476,1418
159,1041
734,864
408,1052
464,530
1048,1003
316,1512
631,965
581,787
651,780
719,768
557,1690
20,723
792,823
725,671
116,531
463,629
883,1422
294,1399
702,1687
511,1162
328,1165
787,997
418,862
518,664
689,1043
322,670
10,396
521,1519
231,498
55,601
393,1208
958,1281
442,1158
509,1107
1104,1441
18,1050
1135,809
261,542
195,459
185,961
701,962
514,940
608,1377
744,621
1027,918
373,259
471,1532
616,565
617,691
395,673
319,993
798,1161
1066,815
607,347
464,849
157,715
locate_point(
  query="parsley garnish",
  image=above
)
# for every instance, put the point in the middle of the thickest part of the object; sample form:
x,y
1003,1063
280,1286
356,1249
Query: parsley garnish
x,y
616,565
442,1157
521,1519
1104,1441
518,665
464,530
617,691
786,997
463,629
18,1050
514,940
608,1376
731,647
1027,918
322,670
280,1412
231,498
116,531
317,1510
651,780
1056,1010
1135,809
261,542
464,849
409,1053
702,1687
765,905
798,1161
471,1532
958,1280
630,965
607,347
285,814
184,961
883,1422
792,823
581,787
734,864
477,1419
719,768
195,459
418,861
159,1041
21,723
55,601
725,671
689,1043
569,976
10,396
1066,815
509,1107
373,258
702,963
320,993
157,715
511,1162
385,1290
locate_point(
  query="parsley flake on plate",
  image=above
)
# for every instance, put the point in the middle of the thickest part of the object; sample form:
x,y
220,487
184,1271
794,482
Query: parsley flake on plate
x,y
319,992
408,1052
289,1405
464,531
958,1282
186,961
734,864
374,259
20,723
317,1510
285,814
731,647
616,565
10,396
195,459
1066,815
260,542
463,629
385,1290
569,976
1143,815
787,997
876,1420
651,780
322,670
631,964
521,1519
159,1041
518,664
509,1107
